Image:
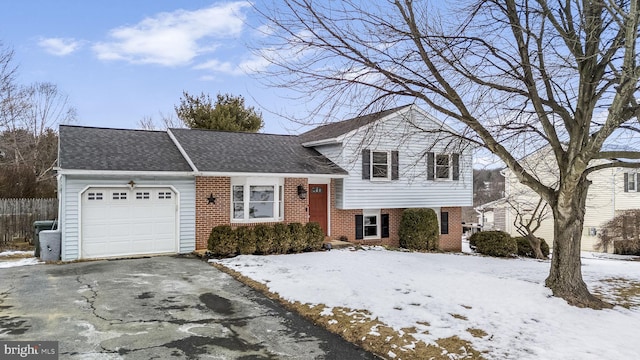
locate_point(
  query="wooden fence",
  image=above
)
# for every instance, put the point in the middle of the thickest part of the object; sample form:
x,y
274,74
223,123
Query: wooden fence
x,y
17,216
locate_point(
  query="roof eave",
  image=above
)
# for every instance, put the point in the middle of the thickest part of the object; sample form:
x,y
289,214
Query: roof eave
x,y
123,172
321,142
286,175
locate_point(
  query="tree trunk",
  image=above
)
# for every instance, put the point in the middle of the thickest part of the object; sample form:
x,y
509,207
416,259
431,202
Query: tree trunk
x,y
535,246
565,276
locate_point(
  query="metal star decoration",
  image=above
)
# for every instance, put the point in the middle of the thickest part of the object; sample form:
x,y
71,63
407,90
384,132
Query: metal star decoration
x,y
211,199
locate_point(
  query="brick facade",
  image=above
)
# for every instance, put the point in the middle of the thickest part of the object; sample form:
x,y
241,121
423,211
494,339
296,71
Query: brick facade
x,y
343,225
342,222
453,240
210,215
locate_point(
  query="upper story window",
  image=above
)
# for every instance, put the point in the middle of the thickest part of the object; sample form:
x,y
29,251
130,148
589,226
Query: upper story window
x,y
379,165
443,166
632,182
256,201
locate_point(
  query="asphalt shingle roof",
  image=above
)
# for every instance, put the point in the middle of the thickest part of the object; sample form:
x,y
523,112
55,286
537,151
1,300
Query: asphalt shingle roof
x,y
333,130
220,151
88,148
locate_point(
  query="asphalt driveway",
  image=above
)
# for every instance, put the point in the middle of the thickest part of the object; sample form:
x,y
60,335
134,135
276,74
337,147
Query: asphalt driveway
x,y
155,308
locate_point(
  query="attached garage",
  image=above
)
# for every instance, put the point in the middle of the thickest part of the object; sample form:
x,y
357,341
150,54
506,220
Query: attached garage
x,y
123,193
124,222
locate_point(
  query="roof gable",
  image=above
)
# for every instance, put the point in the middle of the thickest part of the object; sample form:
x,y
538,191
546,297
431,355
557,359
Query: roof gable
x,y
89,148
336,129
238,152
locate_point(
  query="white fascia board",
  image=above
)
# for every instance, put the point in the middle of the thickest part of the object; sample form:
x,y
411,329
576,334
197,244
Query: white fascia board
x,y
181,149
124,173
285,175
321,142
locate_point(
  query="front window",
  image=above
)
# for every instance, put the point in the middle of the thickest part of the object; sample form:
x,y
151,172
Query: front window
x,y
371,224
257,202
632,182
261,202
379,165
442,166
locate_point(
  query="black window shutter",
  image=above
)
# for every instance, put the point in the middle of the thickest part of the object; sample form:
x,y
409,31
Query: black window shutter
x,y
395,175
366,164
444,222
430,165
637,182
384,225
455,160
626,182
359,227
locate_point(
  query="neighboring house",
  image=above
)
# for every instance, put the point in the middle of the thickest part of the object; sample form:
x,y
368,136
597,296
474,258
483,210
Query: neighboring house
x,y
491,216
132,192
612,191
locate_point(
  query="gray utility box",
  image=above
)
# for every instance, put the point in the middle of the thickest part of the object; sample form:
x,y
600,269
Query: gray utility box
x,y
38,226
50,241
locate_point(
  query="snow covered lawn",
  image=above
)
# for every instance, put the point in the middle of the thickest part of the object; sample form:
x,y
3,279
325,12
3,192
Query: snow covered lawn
x,y
437,296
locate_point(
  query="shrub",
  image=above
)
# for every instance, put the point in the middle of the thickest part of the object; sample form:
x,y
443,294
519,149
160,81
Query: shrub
x,y
222,241
622,233
524,247
246,240
315,236
298,237
419,229
495,243
265,239
282,239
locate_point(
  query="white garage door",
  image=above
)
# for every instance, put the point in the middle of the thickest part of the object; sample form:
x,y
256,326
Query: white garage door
x,y
124,222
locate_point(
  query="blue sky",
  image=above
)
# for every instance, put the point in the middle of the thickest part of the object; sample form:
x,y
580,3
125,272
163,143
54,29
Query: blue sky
x,y
122,60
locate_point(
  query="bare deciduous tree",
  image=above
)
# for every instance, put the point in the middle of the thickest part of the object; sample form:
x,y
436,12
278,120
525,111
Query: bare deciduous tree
x,y
28,141
510,75
528,219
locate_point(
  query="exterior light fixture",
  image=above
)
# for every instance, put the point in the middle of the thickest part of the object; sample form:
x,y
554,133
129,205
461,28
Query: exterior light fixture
x,y
302,192
132,184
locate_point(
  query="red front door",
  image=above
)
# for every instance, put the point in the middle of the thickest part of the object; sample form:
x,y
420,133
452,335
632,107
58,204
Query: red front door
x,y
318,205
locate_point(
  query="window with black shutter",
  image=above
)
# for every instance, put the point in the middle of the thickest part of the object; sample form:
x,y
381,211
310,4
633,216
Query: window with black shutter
x,y
444,222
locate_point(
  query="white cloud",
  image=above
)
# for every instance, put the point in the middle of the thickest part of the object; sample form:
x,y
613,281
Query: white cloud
x,y
249,65
173,38
59,46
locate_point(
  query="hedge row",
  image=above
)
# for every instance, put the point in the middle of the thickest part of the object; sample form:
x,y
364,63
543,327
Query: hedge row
x,y
265,239
501,244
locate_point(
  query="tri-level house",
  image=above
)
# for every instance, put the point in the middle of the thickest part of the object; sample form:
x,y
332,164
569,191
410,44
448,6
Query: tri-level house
x,y
612,191
132,192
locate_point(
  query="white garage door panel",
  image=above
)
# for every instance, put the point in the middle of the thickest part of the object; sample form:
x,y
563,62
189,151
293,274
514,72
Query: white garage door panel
x,y
123,222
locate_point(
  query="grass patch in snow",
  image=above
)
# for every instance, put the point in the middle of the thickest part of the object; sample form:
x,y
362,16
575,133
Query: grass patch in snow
x,y
479,333
459,317
358,327
619,291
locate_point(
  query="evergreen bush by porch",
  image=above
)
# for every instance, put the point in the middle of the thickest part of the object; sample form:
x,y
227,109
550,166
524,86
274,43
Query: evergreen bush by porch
x,y
298,237
419,229
222,241
246,240
265,239
282,239
315,236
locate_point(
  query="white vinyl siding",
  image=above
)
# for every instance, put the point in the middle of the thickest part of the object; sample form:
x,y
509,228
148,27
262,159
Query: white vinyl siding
x,y
70,208
412,189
